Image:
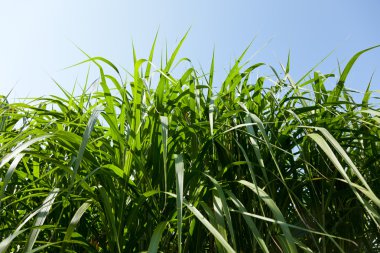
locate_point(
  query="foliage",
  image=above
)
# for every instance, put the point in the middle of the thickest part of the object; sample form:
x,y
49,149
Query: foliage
x,y
263,165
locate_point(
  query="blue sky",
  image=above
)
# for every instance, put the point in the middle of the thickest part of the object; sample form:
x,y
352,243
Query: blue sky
x,y
37,36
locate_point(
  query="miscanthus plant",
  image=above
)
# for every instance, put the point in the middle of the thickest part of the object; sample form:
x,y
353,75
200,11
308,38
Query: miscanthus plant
x,y
159,162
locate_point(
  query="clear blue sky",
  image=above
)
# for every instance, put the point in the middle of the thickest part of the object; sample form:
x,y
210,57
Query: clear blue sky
x,y
36,36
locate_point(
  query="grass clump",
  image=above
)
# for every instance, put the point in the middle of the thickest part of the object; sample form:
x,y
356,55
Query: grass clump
x,y
263,165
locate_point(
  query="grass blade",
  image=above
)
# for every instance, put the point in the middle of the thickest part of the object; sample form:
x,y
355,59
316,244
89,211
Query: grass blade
x,y
179,169
85,139
342,79
210,227
255,231
275,210
156,237
164,129
9,174
21,148
76,218
41,216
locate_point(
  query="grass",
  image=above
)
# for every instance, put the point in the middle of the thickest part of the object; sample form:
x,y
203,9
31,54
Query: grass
x,y
162,163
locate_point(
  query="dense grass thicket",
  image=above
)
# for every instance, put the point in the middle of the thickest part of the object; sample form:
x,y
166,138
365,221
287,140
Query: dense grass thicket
x,y
159,162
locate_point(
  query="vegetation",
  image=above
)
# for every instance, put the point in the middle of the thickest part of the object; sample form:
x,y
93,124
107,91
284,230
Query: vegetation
x,y
163,163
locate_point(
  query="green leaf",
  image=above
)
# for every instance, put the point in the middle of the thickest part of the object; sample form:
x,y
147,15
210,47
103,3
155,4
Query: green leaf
x,y
40,219
334,96
76,218
9,174
85,139
156,237
276,212
179,170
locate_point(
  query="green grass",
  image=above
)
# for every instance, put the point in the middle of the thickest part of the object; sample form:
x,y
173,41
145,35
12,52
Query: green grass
x,y
164,163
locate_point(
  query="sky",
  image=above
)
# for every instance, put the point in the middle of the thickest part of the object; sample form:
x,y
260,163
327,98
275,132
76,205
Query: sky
x,y
39,38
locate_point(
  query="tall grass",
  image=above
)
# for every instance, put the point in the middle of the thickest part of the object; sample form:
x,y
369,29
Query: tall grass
x,y
263,165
